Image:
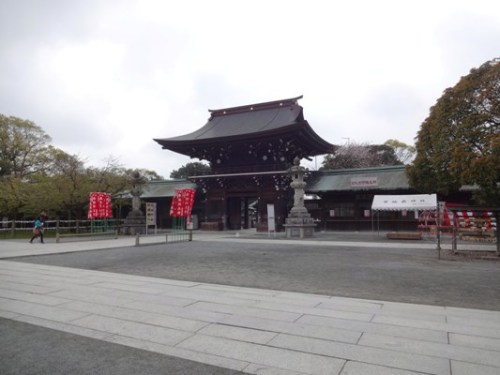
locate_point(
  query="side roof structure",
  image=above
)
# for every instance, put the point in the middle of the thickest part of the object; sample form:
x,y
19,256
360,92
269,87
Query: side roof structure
x,y
375,178
162,188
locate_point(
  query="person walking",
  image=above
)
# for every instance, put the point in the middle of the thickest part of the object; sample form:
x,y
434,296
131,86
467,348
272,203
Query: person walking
x,y
38,227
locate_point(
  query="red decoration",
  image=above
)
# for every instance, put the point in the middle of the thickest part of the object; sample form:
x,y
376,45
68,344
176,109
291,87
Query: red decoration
x,y
174,205
100,206
182,203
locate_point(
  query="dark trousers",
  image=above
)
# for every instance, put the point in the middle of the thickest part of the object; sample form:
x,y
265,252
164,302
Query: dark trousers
x,y
40,234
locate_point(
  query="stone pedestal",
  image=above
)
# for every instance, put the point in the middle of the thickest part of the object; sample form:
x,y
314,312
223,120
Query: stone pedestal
x,y
299,222
135,223
300,226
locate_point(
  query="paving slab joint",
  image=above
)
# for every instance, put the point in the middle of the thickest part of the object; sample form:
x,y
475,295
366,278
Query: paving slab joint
x,y
359,338
343,366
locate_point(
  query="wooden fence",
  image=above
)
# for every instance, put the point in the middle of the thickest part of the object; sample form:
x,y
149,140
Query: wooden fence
x,y
23,228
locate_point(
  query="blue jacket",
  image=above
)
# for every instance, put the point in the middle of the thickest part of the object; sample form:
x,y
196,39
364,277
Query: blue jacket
x,y
38,223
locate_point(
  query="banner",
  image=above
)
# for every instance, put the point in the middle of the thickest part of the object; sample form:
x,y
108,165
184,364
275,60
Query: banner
x,y
182,203
100,206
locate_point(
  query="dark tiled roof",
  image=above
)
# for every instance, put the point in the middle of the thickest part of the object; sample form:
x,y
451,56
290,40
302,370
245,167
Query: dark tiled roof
x,y
249,122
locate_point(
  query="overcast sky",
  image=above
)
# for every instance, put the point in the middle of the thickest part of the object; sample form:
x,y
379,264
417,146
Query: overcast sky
x,y
103,78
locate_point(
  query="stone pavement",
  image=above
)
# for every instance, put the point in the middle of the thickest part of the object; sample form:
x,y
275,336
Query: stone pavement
x,y
251,330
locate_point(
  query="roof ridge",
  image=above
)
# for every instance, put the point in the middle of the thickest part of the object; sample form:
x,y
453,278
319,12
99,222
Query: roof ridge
x,y
256,106
367,169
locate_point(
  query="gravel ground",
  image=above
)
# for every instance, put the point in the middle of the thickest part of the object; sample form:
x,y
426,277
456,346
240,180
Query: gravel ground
x,y
402,275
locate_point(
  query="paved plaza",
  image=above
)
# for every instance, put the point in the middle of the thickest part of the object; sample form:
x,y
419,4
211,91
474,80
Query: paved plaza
x,y
108,307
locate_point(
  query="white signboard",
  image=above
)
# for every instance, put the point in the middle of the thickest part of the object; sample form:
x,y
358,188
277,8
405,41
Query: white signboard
x,y
364,182
150,213
271,226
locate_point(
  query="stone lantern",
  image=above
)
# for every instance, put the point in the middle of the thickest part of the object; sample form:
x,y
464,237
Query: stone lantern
x,y
299,222
136,221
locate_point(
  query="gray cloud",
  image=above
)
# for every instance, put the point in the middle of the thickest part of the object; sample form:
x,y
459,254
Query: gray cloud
x,y
106,77
466,41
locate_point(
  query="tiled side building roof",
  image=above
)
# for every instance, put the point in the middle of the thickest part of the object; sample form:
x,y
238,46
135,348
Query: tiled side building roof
x,y
163,188
378,178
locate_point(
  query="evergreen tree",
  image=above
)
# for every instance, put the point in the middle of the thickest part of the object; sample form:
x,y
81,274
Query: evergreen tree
x,y
459,143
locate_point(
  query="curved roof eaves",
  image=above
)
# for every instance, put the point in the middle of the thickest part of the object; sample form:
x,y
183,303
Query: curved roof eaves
x,y
243,124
